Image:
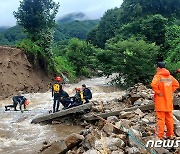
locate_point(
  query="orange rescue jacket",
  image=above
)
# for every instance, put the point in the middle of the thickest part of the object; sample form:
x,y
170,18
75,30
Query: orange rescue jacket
x,y
164,85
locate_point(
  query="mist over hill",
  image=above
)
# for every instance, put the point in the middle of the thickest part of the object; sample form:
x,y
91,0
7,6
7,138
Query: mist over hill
x,y
79,16
68,26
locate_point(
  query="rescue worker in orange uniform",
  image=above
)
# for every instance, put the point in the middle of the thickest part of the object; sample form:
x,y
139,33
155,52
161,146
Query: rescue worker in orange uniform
x,y
163,84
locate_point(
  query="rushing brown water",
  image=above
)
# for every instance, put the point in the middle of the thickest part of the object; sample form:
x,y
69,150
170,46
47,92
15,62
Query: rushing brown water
x,y
19,136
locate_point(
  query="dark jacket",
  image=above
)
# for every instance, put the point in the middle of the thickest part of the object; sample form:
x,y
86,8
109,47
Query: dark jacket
x,y
77,97
20,99
63,94
87,93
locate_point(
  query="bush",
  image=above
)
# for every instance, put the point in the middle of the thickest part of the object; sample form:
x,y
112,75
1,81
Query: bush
x,y
132,59
31,49
81,55
62,65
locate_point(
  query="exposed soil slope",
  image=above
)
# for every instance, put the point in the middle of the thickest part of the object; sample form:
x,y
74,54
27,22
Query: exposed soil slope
x,y
17,74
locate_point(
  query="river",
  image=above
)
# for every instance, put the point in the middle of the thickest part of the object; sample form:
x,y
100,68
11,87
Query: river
x,y
19,136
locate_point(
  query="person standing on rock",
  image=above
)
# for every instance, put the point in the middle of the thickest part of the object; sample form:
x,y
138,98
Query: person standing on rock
x,y
87,95
163,84
57,87
21,100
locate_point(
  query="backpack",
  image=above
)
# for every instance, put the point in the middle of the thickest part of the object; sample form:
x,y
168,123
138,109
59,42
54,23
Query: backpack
x,y
56,88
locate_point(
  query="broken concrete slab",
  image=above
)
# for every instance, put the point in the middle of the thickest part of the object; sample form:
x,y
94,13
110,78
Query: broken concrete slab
x,y
116,113
50,117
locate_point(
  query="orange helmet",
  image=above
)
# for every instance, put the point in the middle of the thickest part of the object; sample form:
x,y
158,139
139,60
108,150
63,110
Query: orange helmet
x,y
27,102
58,78
77,89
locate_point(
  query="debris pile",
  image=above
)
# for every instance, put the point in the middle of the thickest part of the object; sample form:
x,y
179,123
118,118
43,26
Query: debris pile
x,y
125,132
134,96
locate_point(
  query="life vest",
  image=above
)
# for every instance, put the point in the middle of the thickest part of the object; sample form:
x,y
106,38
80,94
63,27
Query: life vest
x,y
56,88
82,97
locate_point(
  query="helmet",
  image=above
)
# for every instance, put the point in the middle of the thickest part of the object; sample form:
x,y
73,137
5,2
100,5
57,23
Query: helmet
x,y
27,102
58,78
83,85
77,89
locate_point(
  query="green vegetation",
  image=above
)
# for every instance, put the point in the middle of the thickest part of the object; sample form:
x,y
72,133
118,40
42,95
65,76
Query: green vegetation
x,y
132,59
137,35
31,49
79,54
62,31
38,20
128,40
62,65
173,45
11,36
74,29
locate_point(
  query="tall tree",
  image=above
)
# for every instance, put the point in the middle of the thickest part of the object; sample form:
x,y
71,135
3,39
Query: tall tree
x,y
132,59
38,19
131,16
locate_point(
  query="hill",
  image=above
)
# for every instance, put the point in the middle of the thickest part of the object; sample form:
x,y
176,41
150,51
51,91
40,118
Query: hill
x,y
12,35
69,26
72,17
76,28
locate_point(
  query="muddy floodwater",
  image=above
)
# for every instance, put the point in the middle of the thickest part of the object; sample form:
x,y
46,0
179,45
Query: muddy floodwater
x,y
19,136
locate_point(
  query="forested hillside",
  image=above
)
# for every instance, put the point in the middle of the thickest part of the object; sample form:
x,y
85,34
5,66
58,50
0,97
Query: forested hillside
x,y
75,28
69,26
137,35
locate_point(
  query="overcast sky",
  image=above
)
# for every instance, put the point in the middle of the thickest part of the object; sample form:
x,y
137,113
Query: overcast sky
x,y
92,8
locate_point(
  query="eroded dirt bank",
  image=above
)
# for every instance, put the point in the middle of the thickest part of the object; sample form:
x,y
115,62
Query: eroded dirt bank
x,y
17,74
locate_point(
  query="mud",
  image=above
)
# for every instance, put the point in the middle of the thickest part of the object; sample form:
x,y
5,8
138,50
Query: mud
x,y
17,74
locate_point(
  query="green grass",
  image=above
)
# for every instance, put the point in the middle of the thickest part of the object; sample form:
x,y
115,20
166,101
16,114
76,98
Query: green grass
x,y
63,66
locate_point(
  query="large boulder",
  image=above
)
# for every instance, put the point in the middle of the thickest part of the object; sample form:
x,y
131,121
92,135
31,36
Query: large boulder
x,y
110,143
112,119
138,102
73,139
108,129
56,148
89,141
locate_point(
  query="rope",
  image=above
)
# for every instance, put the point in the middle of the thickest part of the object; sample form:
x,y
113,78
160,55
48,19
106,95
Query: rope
x,y
137,141
129,133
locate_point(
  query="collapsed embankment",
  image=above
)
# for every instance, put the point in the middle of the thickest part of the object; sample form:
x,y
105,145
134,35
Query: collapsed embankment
x,y
17,74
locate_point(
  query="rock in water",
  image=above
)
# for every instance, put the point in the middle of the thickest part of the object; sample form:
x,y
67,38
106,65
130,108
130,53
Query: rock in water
x,y
56,148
